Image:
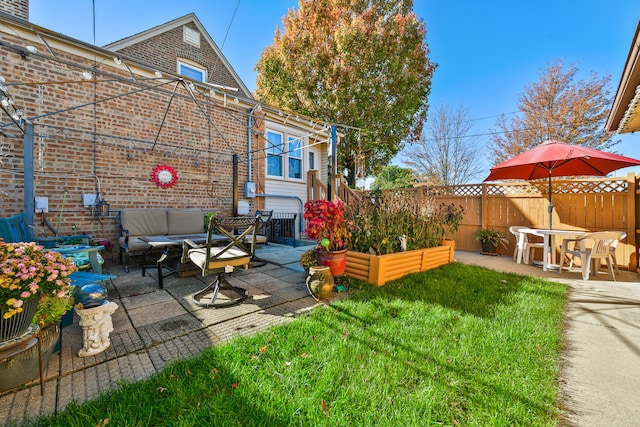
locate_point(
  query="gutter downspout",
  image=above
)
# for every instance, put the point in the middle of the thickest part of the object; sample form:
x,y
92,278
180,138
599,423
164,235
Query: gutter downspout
x,y
249,143
28,181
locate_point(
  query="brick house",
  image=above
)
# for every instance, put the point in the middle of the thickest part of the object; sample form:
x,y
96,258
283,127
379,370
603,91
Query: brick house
x,y
108,120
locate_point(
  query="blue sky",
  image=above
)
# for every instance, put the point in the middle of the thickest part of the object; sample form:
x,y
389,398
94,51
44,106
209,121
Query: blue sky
x,y
486,51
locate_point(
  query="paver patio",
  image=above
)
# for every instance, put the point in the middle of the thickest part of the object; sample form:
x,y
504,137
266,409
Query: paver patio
x,y
153,327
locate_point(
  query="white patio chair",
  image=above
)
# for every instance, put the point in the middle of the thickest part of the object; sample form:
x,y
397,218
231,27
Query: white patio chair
x,y
622,236
601,243
523,244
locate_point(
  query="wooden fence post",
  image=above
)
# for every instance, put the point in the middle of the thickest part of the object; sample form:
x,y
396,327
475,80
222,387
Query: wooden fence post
x,y
484,206
632,221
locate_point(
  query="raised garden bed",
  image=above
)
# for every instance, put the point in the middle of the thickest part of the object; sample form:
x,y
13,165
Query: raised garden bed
x,y
379,269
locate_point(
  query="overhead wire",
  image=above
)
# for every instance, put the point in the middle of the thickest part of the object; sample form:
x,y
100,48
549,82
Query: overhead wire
x,y
226,34
553,126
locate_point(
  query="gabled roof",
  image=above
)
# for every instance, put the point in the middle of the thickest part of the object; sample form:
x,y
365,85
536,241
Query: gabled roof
x,y
625,112
176,23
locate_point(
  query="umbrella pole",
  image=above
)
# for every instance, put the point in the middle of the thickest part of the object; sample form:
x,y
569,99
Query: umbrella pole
x,y
550,207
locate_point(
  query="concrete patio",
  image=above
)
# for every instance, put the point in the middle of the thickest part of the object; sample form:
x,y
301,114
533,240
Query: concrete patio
x,y
153,327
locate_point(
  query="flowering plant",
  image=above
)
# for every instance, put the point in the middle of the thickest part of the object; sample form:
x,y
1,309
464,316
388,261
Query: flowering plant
x,y
326,224
27,272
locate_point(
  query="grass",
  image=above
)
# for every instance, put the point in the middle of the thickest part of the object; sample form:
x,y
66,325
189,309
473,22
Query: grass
x,y
458,345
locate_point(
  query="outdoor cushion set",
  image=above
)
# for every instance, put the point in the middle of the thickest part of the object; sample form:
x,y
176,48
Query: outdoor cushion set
x,y
140,222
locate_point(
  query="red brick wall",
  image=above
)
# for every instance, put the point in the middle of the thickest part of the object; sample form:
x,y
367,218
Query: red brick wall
x,y
163,50
71,159
17,8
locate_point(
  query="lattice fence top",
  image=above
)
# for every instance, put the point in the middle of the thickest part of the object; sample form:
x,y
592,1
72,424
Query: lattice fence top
x,y
515,190
558,187
453,190
521,189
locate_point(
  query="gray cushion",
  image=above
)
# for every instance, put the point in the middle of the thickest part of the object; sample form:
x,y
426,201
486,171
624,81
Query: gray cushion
x,y
135,244
145,222
185,221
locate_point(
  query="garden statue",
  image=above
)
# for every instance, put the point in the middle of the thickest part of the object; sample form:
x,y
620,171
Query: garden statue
x,y
403,243
96,326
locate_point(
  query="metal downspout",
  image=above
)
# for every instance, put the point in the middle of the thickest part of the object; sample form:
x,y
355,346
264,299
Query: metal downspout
x,y
29,195
249,143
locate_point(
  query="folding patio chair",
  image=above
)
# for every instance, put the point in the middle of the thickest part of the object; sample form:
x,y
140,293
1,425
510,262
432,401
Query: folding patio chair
x,y
219,260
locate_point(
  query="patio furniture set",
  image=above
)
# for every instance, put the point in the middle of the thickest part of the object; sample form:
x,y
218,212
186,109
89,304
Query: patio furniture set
x,y
185,245
589,247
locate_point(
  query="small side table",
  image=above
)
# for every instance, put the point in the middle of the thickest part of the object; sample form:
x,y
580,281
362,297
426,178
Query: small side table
x,y
92,252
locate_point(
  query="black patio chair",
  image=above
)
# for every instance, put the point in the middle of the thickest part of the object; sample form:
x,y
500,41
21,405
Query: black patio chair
x,y
237,251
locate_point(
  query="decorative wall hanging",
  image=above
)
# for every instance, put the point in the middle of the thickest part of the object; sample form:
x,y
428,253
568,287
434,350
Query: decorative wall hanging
x,y
164,176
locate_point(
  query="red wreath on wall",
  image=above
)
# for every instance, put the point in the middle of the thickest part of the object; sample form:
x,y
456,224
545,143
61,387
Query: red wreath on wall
x,y
164,176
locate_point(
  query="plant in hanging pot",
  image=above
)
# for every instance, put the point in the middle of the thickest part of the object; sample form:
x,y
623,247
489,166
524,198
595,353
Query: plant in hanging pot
x,y
28,276
327,225
490,239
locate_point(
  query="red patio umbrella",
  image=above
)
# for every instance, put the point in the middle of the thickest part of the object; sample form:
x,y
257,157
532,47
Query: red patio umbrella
x,y
554,159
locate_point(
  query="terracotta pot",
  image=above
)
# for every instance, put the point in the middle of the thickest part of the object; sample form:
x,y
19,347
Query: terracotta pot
x,y
335,260
320,282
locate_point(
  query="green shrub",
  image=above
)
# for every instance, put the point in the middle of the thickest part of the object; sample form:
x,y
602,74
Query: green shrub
x,y
381,219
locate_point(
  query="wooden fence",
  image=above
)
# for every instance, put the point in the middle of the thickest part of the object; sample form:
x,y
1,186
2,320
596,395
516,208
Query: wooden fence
x,y
594,204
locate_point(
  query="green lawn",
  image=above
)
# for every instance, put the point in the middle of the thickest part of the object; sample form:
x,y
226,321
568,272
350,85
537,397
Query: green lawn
x,y
458,345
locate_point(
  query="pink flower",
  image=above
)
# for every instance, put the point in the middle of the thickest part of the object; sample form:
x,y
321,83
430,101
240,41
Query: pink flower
x,y
26,270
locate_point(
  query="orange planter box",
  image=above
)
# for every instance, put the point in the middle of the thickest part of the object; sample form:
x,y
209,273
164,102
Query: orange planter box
x,y
379,269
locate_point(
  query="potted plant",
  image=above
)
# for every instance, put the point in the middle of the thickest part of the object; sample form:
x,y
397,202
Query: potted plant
x,y
28,274
208,217
327,225
34,289
490,239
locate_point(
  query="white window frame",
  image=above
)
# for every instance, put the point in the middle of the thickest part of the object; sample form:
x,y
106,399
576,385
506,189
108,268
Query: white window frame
x,y
316,158
194,66
287,136
274,151
292,156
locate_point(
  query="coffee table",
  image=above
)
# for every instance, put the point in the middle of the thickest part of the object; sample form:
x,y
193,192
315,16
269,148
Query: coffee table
x,y
166,243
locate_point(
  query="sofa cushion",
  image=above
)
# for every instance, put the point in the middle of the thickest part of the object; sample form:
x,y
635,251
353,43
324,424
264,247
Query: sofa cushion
x,y
144,222
185,221
135,244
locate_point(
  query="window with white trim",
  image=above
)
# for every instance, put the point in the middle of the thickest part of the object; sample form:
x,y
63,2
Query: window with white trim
x,y
313,156
192,71
285,154
295,158
274,154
